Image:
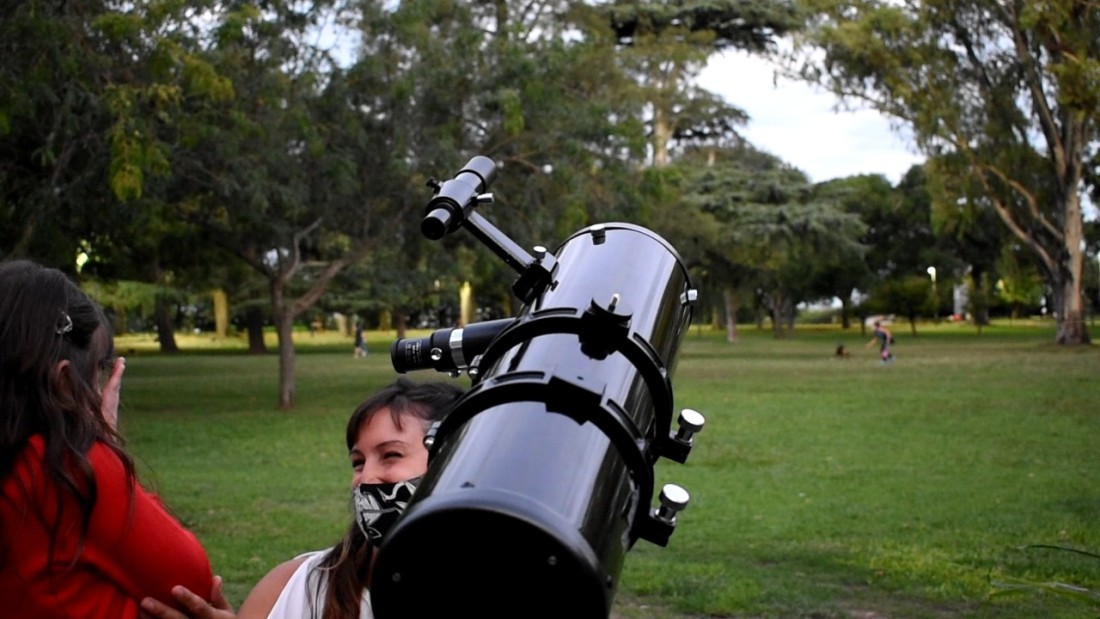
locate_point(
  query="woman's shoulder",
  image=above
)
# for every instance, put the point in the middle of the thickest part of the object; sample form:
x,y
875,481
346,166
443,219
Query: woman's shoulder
x,y
102,459
263,596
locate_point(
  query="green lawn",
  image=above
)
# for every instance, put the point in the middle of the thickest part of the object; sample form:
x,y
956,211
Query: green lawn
x,y
821,487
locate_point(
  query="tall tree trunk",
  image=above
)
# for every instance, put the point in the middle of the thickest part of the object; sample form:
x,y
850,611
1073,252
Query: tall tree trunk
x,y
467,312
777,314
845,311
221,313
254,323
284,325
1071,309
401,322
662,134
729,297
284,316
166,334
120,324
979,297
1071,317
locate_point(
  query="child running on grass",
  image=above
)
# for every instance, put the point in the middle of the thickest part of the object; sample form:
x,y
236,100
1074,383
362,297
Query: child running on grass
x,y
884,337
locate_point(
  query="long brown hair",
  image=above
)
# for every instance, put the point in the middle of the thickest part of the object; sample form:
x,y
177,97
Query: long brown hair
x,y
46,319
348,564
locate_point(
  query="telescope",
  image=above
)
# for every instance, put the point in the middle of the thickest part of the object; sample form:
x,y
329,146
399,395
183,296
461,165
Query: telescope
x,y
541,478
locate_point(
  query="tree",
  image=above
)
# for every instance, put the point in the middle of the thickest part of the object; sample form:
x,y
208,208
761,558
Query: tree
x,y
1008,87
866,196
966,225
277,175
511,81
907,296
770,229
663,46
84,90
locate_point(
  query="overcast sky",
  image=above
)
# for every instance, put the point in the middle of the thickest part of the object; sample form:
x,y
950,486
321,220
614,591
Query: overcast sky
x,y
797,123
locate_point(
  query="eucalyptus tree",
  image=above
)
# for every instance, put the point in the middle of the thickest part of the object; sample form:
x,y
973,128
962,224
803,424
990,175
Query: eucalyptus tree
x,y
1008,87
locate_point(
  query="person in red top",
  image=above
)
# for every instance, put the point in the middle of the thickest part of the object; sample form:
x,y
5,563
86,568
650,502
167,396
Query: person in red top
x,y
79,537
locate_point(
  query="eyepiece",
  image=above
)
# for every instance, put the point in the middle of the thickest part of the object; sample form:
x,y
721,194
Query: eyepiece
x,y
445,350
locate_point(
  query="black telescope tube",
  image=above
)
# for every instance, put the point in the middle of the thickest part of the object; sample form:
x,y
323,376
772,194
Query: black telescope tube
x,y
535,483
453,199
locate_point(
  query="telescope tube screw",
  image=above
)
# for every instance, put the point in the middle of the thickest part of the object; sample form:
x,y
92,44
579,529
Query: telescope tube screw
x,y
673,500
429,436
540,252
689,297
691,422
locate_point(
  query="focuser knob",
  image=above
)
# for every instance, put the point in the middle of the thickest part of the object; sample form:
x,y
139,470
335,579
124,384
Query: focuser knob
x,y
691,422
673,500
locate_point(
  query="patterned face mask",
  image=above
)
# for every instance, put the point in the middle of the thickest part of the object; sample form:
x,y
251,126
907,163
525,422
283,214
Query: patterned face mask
x,y
377,506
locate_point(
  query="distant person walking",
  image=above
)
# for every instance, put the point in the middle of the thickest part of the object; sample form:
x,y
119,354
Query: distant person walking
x,y
360,343
885,338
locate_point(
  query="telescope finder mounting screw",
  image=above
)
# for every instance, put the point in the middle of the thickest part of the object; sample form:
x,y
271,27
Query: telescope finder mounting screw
x,y
614,302
484,198
689,297
599,233
540,252
691,421
434,184
673,500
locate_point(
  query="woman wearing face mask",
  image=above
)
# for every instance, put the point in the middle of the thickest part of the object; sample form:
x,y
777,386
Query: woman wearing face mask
x,y
79,537
385,438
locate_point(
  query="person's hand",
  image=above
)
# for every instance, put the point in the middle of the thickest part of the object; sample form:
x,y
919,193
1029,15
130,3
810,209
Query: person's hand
x,y
197,608
111,392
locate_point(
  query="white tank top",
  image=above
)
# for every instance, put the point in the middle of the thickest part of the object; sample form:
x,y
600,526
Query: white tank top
x,y
304,594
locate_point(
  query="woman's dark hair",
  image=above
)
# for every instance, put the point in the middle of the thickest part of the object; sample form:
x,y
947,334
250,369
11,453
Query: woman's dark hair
x,y
45,319
348,563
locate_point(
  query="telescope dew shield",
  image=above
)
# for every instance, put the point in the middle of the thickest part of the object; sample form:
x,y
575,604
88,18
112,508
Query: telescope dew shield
x,y
541,479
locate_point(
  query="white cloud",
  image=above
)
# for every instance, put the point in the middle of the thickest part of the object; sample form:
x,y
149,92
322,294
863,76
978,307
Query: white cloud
x,y
799,124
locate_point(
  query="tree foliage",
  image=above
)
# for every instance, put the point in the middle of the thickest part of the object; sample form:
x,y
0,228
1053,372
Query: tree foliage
x,y
771,230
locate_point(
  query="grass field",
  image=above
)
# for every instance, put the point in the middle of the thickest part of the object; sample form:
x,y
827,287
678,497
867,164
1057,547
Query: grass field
x,y
821,487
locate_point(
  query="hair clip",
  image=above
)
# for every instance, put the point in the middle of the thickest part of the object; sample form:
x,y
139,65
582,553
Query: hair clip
x,y
65,325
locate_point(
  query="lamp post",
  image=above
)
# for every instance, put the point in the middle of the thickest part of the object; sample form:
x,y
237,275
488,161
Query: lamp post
x,y
935,298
